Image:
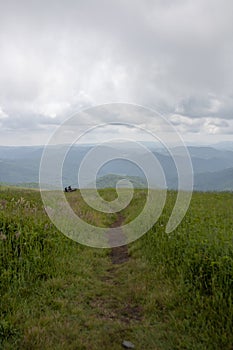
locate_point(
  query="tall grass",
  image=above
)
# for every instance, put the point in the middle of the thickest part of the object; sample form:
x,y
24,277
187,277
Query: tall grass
x,y
197,258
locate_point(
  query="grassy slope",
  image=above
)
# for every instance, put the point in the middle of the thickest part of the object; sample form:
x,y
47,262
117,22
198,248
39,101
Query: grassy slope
x,y
110,181
175,292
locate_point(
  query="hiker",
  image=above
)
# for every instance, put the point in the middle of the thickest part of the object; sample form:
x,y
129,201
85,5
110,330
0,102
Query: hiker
x,y
69,189
66,189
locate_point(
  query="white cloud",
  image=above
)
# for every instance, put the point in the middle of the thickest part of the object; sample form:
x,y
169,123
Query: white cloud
x,y
3,115
58,57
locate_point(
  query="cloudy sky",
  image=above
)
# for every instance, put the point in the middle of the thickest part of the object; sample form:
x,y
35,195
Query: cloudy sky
x,y
59,57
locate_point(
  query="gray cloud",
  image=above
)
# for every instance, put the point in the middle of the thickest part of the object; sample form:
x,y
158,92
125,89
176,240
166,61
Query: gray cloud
x,y
206,106
59,57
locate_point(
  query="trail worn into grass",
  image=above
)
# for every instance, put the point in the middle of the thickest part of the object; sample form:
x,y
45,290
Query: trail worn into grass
x,y
112,308
119,254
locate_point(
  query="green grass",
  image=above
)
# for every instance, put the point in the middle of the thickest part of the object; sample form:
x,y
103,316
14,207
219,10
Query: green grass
x,y
175,292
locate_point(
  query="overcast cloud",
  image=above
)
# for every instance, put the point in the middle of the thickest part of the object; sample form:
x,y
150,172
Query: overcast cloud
x,y
58,57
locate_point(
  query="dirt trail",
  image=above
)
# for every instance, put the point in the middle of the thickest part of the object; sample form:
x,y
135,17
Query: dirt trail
x,y
119,255
119,309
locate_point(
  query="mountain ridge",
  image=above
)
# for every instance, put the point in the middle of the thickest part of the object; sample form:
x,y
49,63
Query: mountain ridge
x,y
212,167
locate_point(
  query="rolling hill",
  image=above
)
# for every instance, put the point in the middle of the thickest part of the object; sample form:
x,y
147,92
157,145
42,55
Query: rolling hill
x,y
212,167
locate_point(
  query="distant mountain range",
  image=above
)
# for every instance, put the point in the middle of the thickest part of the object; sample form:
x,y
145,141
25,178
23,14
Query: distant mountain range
x,y
213,167
214,181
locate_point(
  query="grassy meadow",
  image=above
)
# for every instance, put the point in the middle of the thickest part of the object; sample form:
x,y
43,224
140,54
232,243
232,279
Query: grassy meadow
x,y
174,292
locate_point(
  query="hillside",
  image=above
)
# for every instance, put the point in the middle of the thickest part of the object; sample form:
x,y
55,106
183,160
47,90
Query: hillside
x,y
110,181
214,181
163,291
20,165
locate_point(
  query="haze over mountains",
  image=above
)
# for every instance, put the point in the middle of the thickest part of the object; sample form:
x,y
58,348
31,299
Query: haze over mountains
x,y
212,165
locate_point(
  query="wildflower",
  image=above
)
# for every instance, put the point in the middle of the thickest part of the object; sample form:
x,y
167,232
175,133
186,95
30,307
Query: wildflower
x,y
17,235
2,236
3,204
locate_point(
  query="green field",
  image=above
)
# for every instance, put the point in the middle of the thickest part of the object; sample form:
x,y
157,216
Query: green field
x,y
174,292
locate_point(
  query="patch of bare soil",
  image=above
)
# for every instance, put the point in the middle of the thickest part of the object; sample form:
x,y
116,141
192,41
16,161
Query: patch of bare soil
x,y
111,310
119,255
